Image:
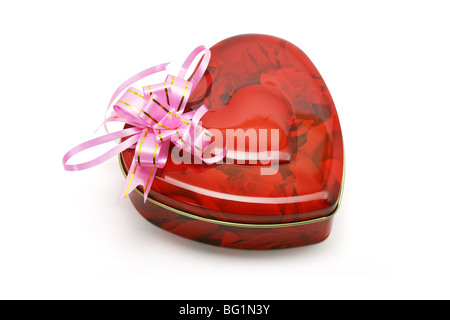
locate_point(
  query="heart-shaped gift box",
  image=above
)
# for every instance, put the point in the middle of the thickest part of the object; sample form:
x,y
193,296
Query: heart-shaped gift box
x,y
280,193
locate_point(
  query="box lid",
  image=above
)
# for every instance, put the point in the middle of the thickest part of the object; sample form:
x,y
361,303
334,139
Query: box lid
x,y
262,88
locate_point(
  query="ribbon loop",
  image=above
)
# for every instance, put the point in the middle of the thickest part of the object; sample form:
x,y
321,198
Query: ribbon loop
x,y
157,119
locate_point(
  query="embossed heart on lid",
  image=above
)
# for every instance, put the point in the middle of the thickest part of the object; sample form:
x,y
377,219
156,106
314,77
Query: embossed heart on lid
x,y
254,125
261,82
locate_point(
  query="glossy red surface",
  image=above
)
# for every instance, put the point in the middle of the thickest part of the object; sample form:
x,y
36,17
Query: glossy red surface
x,y
260,82
232,236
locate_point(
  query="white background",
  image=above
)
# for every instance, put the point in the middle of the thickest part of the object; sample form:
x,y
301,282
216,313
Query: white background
x,y
63,235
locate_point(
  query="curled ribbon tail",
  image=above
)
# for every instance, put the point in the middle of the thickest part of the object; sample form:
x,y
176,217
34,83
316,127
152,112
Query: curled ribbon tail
x,y
96,142
138,175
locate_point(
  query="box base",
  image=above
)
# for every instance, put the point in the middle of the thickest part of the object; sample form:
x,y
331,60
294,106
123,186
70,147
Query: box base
x,y
229,234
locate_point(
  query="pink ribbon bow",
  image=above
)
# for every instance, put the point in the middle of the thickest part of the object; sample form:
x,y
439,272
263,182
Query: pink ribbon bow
x,y
157,117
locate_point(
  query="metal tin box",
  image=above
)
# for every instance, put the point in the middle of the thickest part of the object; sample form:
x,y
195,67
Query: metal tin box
x,y
255,85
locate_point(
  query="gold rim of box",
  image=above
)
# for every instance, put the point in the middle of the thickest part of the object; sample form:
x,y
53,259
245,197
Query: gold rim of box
x,y
239,224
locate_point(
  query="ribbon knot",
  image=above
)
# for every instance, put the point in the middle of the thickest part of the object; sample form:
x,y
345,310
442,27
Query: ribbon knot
x,y
157,119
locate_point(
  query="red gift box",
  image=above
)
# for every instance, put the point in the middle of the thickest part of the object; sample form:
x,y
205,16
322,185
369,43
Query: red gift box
x,y
255,198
